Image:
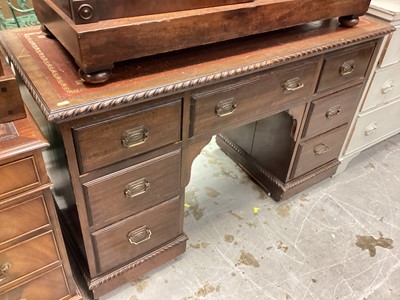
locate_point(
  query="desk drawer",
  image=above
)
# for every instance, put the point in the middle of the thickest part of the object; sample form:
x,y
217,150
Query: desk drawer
x,y
49,286
134,189
214,109
344,66
392,53
332,111
119,138
23,218
319,150
128,239
28,257
19,176
384,87
375,125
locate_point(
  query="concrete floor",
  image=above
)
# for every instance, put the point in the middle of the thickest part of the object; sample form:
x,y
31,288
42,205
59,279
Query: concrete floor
x,y
337,240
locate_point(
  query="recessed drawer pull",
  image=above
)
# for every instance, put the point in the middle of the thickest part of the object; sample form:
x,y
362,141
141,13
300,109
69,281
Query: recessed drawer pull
x,y
225,107
136,188
333,111
387,86
321,149
292,85
134,137
371,128
347,68
3,271
139,235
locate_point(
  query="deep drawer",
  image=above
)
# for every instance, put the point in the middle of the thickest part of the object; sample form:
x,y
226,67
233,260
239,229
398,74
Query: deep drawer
x,y
116,139
128,239
375,125
134,189
318,151
384,87
344,66
23,218
214,109
50,286
28,257
19,176
332,111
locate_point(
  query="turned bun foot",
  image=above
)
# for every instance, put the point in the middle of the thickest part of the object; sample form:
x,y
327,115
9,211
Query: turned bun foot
x,y
95,77
349,21
46,32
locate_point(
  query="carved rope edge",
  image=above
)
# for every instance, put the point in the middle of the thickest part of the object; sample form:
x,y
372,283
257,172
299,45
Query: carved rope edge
x,y
178,86
96,283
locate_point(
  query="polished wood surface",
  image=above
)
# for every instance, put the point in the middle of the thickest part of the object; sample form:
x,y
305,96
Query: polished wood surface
x,y
266,82
97,46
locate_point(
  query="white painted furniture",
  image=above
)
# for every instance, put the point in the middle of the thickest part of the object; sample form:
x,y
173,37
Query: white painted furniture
x,y
378,116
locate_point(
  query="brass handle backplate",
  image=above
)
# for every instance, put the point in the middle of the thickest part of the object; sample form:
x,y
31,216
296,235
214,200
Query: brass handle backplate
x,y
333,112
225,107
134,137
136,188
3,271
292,85
347,68
321,149
139,235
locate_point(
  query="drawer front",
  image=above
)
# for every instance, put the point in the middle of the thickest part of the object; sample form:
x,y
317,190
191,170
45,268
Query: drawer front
x,y
27,257
126,240
256,95
375,125
117,139
384,87
392,53
18,176
319,150
23,218
332,111
50,286
134,189
344,66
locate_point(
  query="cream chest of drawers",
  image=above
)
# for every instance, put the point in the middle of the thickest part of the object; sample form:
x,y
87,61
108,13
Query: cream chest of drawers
x,y
378,113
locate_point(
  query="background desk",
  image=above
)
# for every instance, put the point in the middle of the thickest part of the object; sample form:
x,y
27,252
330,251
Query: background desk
x,y
122,152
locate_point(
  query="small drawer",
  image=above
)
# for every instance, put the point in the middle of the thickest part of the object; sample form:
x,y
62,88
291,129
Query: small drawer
x,y
384,87
27,257
49,286
392,53
319,150
23,218
344,66
332,111
134,189
374,126
19,176
255,95
128,239
116,139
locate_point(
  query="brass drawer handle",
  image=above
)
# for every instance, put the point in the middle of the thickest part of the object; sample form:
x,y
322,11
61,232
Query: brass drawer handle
x,y
225,107
136,188
347,68
139,235
387,86
4,268
292,85
134,137
321,149
333,112
371,128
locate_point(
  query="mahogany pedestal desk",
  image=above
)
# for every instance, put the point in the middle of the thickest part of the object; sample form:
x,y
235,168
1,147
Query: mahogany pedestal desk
x,y
122,152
